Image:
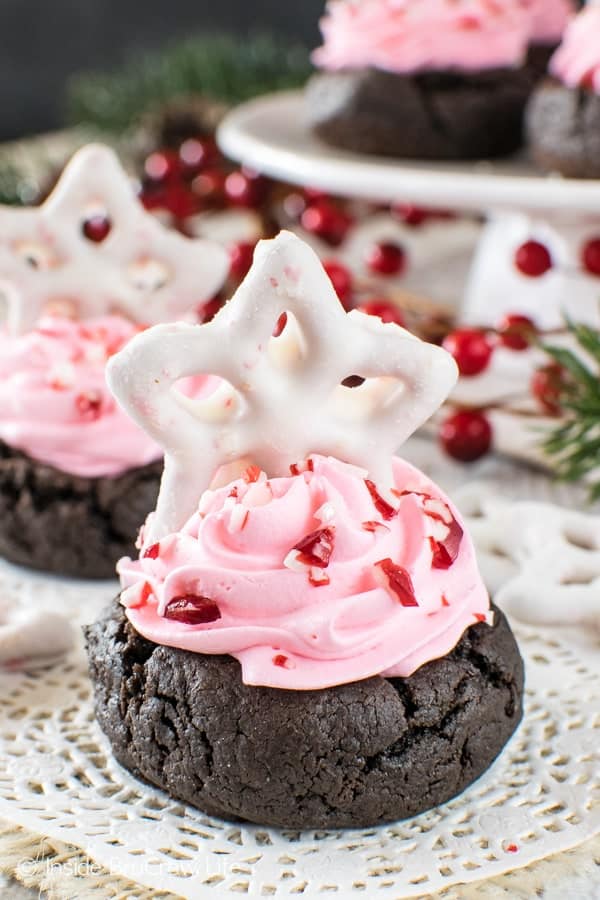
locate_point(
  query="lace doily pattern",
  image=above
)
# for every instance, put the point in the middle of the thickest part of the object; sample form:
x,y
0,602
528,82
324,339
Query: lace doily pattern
x,y
57,778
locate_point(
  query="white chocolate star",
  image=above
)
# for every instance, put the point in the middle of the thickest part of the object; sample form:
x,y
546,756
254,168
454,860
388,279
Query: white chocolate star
x,y
283,398
140,269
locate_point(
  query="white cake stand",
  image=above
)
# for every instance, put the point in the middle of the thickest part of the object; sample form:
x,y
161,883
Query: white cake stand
x,y
271,134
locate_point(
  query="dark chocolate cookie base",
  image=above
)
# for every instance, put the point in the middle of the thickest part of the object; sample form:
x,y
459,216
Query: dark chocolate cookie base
x,y
61,523
433,115
563,127
349,756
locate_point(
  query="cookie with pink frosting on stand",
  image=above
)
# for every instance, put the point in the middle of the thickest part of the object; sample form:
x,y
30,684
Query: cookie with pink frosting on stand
x,y
422,79
304,639
549,19
563,117
80,276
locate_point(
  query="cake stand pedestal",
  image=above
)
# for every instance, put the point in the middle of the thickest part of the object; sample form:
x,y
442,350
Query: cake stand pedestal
x,y
271,135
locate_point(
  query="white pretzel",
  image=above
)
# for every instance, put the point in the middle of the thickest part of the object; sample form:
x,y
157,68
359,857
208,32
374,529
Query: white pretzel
x,y
29,637
542,562
283,399
141,269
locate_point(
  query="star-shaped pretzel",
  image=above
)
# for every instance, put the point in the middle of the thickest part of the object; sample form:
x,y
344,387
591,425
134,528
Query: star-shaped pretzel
x,y
283,346
93,249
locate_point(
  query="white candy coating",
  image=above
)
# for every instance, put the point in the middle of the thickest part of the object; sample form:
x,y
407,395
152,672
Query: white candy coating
x,y
541,562
283,399
29,637
141,269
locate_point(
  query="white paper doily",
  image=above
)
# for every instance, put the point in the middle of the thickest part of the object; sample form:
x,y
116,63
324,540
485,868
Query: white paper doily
x,y
57,778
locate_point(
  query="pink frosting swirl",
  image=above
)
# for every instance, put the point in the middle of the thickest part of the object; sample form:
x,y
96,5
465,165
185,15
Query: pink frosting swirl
x,y
312,580
406,36
54,402
549,18
577,61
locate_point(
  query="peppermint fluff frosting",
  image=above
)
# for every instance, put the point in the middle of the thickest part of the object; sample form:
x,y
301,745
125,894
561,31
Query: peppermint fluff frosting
x,y
577,61
549,18
405,36
54,402
312,580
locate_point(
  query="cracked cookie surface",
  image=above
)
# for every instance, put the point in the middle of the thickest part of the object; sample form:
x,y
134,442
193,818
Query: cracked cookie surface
x,y
349,756
67,524
432,115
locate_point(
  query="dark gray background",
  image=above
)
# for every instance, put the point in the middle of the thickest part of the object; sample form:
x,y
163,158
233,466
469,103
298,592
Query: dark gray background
x,y
43,41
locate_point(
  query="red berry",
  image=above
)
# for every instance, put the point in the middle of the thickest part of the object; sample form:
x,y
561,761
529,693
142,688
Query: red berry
x,y
533,259
326,221
241,256
516,332
386,259
152,197
385,309
208,310
314,194
209,187
161,166
294,205
410,215
195,154
96,228
546,385
316,548
89,405
241,189
591,257
466,435
192,609
470,348
341,279
180,201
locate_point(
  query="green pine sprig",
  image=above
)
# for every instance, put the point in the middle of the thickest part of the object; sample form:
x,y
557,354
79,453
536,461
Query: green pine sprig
x,y
575,444
219,67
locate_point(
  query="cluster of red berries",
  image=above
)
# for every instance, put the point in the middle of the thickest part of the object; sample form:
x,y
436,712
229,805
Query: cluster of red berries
x,y
195,177
467,434
533,259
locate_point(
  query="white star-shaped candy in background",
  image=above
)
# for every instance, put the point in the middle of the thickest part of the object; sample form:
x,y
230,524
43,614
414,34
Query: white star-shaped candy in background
x,y
541,562
123,260
283,396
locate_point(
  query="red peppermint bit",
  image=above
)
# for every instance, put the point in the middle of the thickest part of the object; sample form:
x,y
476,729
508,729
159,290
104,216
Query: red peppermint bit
x,y
301,468
251,474
233,492
89,405
146,592
397,580
284,662
480,617
445,552
445,600
318,578
511,848
316,548
192,609
152,552
385,509
374,526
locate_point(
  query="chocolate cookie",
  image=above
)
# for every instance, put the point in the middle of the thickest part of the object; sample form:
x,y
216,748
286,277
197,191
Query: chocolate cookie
x,y
354,755
432,115
62,523
563,127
